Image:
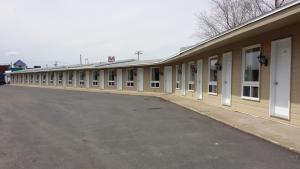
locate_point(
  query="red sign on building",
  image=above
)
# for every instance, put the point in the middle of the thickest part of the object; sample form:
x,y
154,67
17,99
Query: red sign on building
x,y
111,59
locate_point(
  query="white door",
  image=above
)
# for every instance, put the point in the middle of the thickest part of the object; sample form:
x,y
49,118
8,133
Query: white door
x,y
168,79
102,79
199,78
226,78
280,78
140,79
119,79
183,79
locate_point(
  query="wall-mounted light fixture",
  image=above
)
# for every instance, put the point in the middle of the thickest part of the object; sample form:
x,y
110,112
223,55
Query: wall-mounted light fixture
x,y
218,66
262,59
162,73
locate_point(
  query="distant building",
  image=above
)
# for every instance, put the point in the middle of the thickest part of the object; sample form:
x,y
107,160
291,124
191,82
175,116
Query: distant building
x,y
19,64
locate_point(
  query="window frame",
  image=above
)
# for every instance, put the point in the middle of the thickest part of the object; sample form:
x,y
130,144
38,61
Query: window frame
x,y
177,75
111,82
95,82
130,83
250,83
70,81
153,81
51,78
58,77
212,83
37,78
44,77
81,81
191,84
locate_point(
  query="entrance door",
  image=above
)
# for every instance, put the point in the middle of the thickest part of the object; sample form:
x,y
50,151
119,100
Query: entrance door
x,y
280,78
199,78
102,79
226,78
119,79
140,79
183,79
168,79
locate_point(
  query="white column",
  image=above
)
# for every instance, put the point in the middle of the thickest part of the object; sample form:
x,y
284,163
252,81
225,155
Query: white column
x,y
64,80
23,79
74,79
87,79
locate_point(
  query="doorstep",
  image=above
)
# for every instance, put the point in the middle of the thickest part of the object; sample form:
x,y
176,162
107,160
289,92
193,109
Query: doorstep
x,y
284,135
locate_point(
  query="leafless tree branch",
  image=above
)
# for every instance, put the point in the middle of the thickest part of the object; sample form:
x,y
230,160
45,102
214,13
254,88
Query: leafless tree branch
x,y
228,14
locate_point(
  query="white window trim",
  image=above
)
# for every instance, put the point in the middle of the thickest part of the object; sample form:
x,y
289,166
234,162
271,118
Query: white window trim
x,y
151,78
110,81
95,82
189,77
177,81
37,79
81,81
60,80
254,84
129,81
44,78
212,82
70,81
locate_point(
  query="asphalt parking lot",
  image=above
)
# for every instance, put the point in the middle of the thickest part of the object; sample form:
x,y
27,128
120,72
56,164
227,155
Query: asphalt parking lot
x,y
58,129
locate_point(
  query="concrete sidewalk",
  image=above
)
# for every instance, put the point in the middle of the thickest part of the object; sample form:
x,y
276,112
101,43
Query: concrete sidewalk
x,y
285,135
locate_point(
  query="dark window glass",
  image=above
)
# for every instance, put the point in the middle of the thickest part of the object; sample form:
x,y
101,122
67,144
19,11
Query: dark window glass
x,y
246,91
213,70
252,65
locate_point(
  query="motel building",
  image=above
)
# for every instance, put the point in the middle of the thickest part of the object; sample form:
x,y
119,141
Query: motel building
x,y
253,69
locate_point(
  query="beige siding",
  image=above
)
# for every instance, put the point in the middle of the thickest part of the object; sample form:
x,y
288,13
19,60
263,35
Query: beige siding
x,y
261,107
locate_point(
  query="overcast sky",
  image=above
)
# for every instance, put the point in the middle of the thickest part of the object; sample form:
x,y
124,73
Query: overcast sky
x,y
41,32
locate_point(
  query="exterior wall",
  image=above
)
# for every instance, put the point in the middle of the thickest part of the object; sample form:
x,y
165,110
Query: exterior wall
x,y
257,108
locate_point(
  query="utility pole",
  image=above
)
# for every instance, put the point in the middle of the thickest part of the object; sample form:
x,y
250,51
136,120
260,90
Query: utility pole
x,y
138,53
80,60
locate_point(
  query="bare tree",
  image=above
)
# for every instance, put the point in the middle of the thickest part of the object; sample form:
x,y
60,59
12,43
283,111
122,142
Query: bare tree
x,y
228,14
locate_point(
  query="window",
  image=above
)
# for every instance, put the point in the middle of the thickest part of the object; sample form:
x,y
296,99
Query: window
x,y
26,78
191,76
178,76
51,77
81,78
212,75
70,78
44,78
95,78
37,78
130,80
60,77
111,77
251,73
154,74
31,78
